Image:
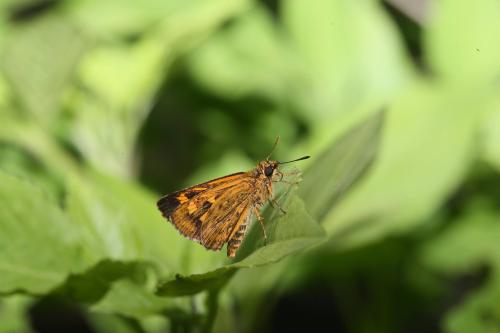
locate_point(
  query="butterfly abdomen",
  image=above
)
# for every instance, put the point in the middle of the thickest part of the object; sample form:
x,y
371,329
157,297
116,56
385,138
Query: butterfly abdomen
x,y
234,243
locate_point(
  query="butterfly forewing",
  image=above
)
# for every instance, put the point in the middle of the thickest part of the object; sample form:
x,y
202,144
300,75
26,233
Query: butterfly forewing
x,y
168,203
231,208
209,212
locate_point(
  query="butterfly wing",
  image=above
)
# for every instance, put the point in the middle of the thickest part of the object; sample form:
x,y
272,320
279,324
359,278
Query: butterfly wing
x,y
187,208
225,217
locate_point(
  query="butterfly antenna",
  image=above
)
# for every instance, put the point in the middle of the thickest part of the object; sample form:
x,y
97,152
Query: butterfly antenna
x,y
298,159
274,147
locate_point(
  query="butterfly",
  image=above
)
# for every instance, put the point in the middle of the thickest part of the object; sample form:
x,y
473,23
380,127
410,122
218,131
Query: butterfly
x,y
218,211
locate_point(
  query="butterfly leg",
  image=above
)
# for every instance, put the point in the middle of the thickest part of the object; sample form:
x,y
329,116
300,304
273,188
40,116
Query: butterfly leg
x,y
291,173
260,219
281,175
276,204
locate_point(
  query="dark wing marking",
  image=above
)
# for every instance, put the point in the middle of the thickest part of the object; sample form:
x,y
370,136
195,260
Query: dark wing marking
x,y
223,218
168,203
187,208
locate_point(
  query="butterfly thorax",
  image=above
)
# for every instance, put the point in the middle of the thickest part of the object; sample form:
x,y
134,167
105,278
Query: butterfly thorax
x,y
263,179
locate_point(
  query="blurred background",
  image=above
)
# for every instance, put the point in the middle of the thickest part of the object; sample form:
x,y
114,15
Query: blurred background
x,y
106,105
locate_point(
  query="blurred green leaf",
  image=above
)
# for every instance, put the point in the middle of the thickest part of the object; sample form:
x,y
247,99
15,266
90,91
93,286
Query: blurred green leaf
x,y
132,300
90,286
339,166
480,313
105,323
115,18
13,314
120,221
491,134
461,40
309,63
340,73
120,79
39,60
39,248
247,58
474,236
117,85
425,151
33,139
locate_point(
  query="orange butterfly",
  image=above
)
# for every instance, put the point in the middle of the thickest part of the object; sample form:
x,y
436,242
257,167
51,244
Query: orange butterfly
x,y
218,211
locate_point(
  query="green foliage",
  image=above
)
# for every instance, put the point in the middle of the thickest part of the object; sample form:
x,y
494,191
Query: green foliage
x,y
105,105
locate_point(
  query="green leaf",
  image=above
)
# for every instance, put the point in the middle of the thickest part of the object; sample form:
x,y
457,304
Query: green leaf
x,y
119,221
115,18
491,135
132,300
119,80
118,83
287,235
38,247
13,314
90,286
413,172
480,313
340,166
461,40
39,60
247,58
303,59
474,236
337,73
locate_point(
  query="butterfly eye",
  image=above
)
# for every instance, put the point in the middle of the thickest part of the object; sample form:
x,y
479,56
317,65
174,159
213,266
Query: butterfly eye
x,y
268,171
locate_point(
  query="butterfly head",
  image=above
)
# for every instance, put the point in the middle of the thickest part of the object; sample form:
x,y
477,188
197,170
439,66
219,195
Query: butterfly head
x,y
267,167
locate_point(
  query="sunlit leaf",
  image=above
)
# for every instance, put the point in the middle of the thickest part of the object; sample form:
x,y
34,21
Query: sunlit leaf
x,y
39,248
425,151
287,235
39,60
462,43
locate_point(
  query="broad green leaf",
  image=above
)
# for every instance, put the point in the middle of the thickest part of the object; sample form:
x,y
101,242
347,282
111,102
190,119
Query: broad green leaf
x,y
332,173
105,323
132,300
474,236
90,286
480,313
13,314
287,235
120,221
39,60
115,18
349,52
247,58
29,137
38,247
120,80
491,135
425,151
462,40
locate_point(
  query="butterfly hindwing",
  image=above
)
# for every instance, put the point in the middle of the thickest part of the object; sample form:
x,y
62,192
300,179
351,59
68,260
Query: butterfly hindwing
x,y
224,217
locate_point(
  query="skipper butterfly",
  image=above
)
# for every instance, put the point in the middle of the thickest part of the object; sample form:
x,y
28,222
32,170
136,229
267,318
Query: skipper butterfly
x,y
218,211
